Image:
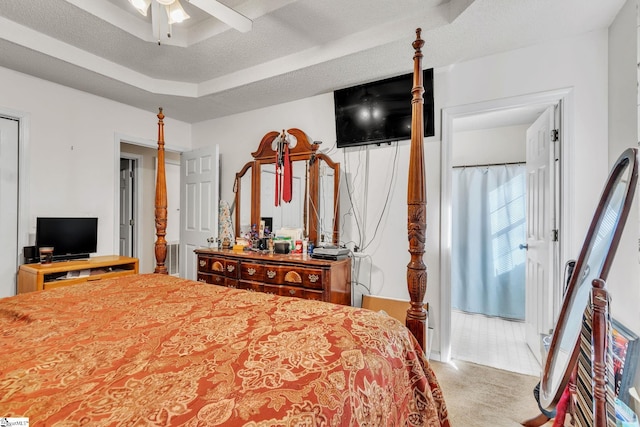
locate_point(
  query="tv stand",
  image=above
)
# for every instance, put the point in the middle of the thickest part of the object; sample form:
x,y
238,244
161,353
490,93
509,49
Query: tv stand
x,y
75,257
38,277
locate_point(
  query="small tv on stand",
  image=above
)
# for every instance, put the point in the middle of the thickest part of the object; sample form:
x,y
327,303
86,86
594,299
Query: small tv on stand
x,y
70,237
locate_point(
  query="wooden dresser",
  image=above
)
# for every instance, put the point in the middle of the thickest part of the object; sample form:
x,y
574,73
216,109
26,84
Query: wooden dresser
x,y
288,275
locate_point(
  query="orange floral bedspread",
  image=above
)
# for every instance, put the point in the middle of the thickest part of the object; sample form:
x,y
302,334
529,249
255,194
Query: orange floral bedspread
x,y
152,350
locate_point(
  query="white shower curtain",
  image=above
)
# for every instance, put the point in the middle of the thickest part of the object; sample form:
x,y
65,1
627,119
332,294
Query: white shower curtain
x,y
488,225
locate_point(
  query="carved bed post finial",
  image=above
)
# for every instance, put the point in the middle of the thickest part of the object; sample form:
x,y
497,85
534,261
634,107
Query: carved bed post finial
x,y
161,202
416,203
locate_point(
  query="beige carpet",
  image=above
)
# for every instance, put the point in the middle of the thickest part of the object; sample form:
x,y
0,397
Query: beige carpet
x,y
481,396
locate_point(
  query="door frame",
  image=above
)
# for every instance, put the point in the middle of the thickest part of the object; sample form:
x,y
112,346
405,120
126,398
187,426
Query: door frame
x,y
137,191
565,197
24,120
119,138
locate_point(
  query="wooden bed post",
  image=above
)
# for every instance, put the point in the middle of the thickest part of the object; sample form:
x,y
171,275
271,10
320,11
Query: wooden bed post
x,y
599,328
417,206
161,202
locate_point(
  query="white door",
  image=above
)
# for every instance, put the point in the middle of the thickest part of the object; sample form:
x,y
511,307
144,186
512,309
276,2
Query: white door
x,y
199,178
9,206
541,223
126,207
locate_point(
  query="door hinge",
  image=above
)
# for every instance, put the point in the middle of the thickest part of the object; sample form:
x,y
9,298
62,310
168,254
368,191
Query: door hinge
x,y
554,235
131,222
554,135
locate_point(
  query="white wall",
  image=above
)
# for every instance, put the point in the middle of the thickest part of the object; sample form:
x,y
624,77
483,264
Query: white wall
x,y
505,144
624,277
623,133
71,150
578,63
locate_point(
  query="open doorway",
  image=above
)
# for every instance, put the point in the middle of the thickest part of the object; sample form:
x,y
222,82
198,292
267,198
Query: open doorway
x,y
128,205
488,202
471,139
138,203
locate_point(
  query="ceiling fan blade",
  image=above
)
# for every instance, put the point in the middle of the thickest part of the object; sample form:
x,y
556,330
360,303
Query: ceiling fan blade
x,y
224,14
155,20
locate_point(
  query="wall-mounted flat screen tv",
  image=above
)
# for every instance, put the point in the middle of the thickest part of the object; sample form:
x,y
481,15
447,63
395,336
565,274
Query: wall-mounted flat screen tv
x,y
380,111
71,238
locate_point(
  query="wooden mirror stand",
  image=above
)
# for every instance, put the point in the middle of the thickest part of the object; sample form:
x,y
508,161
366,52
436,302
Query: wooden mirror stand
x,y
316,165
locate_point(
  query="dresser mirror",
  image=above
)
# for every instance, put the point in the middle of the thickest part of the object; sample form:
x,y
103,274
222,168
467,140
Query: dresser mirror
x,y
593,263
314,189
243,189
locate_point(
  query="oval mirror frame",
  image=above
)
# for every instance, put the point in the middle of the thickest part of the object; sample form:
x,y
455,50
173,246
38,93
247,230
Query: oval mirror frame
x,y
594,262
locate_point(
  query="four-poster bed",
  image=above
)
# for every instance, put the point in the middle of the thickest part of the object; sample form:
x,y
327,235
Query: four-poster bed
x,y
158,350
416,320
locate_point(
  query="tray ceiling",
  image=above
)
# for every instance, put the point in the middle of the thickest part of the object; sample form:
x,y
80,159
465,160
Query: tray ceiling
x,y
295,49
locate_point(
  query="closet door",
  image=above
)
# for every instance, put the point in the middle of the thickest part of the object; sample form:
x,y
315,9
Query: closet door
x,y
9,206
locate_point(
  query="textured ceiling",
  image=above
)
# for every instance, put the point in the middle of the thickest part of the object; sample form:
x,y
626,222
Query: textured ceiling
x,y
295,49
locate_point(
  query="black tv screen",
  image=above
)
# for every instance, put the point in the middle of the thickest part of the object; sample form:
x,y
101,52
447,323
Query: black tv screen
x,y
71,238
378,112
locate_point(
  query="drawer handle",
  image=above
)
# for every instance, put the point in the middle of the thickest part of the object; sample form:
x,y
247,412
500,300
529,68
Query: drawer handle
x,y
292,292
251,271
219,279
313,278
203,263
230,268
202,281
292,277
271,274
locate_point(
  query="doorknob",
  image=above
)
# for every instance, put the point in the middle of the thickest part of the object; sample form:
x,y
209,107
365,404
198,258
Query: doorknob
x,y
523,246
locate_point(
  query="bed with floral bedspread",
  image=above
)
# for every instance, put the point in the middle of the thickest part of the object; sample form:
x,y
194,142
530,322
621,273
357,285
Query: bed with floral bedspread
x,y
156,350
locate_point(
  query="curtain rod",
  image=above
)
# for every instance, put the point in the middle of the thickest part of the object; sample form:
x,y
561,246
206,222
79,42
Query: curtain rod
x,y
489,164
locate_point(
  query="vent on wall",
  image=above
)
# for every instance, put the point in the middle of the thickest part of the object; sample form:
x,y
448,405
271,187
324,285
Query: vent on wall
x,y
173,258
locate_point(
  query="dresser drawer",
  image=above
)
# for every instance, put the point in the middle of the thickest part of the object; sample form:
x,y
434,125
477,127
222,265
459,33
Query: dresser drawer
x,y
211,278
212,264
273,274
286,291
312,278
232,268
251,286
271,289
203,263
230,283
252,271
314,295
292,291
294,276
